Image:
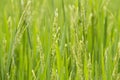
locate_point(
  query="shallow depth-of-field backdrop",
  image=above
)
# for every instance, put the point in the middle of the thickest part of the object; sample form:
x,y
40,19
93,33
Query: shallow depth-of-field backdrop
x,y
59,40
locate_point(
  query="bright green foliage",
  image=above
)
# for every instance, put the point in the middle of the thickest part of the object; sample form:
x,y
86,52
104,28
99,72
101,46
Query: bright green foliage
x,y
59,40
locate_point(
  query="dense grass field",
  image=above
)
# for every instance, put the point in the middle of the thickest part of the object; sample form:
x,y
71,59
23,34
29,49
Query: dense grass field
x,y
59,40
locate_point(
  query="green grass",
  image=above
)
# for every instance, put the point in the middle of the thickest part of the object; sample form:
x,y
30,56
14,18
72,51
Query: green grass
x,y
59,40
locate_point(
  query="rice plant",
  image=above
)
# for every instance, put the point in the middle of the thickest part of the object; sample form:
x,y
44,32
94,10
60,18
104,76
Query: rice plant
x,y
59,40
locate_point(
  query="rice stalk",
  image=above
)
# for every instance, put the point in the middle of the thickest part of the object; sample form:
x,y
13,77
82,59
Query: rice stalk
x,y
55,40
17,37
